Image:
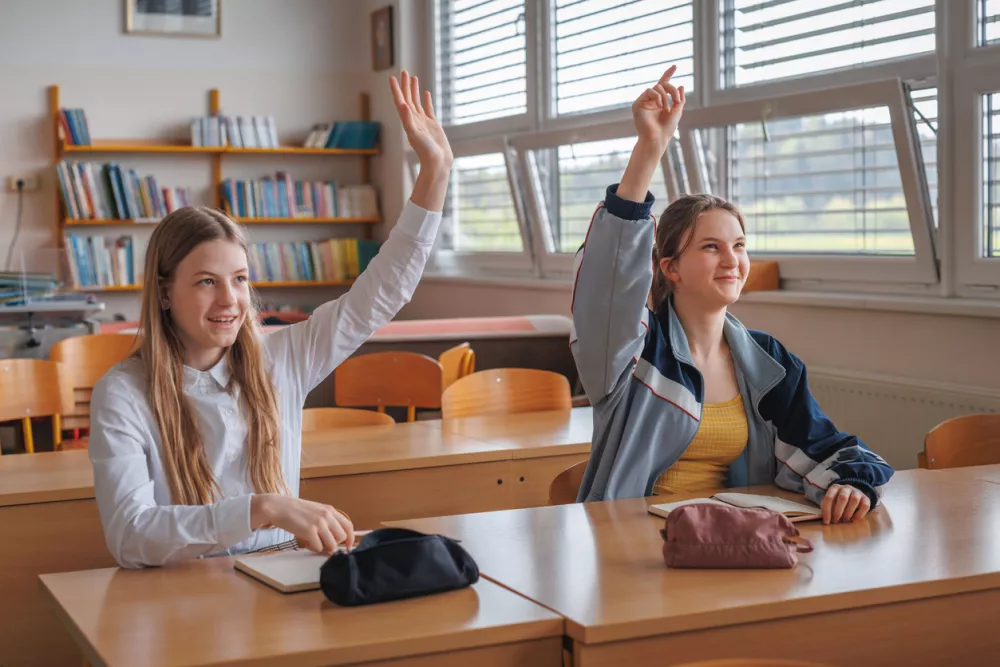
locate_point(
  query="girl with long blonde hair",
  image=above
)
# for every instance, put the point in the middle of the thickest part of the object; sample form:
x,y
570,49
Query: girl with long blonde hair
x,y
196,438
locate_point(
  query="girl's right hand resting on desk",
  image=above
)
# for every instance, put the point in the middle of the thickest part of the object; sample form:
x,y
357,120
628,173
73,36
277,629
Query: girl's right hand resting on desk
x,y
317,527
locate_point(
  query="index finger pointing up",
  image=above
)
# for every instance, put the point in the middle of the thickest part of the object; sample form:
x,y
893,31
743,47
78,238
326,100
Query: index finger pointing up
x,y
669,73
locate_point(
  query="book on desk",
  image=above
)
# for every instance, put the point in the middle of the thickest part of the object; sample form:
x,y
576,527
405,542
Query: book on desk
x,y
794,511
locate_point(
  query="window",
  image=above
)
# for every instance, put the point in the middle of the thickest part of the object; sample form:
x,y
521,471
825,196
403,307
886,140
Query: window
x,y
479,212
575,182
607,52
988,31
990,221
766,40
925,108
482,60
827,183
829,173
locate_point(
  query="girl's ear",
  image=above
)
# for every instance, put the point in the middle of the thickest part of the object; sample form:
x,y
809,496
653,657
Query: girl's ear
x,y
669,269
164,297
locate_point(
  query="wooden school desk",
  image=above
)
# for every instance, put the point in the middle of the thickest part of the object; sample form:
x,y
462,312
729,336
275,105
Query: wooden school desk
x,y
916,583
433,468
205,613
987,473
51,524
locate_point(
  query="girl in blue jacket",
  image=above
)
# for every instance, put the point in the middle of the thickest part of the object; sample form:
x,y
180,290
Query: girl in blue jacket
x,y
686,399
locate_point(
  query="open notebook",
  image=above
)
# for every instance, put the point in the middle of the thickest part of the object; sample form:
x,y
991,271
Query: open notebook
x,y
793,510
289,571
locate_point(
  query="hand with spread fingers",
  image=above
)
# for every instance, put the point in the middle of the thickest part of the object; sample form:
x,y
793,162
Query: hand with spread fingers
x,y
427,138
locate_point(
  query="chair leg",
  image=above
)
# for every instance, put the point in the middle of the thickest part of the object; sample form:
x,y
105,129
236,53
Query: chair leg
x,y
29,437
56,432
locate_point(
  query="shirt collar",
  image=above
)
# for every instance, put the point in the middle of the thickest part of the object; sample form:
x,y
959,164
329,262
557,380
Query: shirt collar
x,y
220,374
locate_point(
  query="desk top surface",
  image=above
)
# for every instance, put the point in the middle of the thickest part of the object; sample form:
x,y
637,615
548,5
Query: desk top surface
x,y
206,613
601,566
55,476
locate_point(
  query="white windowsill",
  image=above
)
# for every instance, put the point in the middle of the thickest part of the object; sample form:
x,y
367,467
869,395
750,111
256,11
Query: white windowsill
x,y
961,307
878,302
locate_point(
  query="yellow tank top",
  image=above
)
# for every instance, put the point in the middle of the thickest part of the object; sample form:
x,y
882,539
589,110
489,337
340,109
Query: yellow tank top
x,y
720,440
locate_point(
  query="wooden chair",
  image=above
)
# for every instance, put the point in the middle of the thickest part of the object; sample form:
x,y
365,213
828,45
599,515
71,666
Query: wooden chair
x,y
563,489
456,362
506,391
31,388
85,359
314,419
971,440
389,379
752,662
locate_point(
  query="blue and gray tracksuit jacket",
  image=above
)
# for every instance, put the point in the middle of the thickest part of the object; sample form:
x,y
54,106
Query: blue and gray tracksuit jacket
x,y
636,368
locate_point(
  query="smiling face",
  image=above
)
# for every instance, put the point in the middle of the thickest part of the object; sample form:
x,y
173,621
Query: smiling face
x,y
209,298
713,265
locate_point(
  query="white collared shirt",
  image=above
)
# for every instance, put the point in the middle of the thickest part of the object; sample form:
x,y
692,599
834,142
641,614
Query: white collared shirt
x,y
141,526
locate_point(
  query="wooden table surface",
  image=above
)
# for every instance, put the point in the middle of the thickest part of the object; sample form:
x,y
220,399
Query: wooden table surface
x,y
600,564
532,434
205,613
45,477
54,476
987,473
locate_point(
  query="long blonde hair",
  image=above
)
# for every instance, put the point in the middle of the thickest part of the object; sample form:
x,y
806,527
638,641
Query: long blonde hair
x,y
161,353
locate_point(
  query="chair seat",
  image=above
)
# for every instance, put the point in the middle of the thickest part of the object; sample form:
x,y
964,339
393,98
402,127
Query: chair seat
x,y
73,443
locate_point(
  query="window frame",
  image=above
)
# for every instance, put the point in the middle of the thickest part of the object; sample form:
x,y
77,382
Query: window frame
x,y
975,274
552,263
955,68
465,262
920,269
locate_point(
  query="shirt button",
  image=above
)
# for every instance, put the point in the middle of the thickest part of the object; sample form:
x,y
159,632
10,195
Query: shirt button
x,y
229,411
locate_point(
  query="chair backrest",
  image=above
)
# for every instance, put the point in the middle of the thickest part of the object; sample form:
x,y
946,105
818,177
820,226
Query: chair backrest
x,y
314,419
33,388
453,363
85,359
389,379
971,440
506,391
563,489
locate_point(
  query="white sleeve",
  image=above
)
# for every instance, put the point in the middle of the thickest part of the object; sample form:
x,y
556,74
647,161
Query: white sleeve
x,y
138,531
309,351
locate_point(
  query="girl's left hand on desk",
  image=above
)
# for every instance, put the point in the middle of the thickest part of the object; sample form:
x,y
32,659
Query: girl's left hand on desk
x,y
843,504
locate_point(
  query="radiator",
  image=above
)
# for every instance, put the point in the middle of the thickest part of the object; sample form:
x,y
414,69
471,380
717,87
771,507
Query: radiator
x,y
891,414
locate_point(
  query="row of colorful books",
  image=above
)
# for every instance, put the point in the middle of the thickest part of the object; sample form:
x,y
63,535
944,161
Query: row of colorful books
x,y
101,261
73,123
15,287
281,197
110,192
333,259
235,131
344,134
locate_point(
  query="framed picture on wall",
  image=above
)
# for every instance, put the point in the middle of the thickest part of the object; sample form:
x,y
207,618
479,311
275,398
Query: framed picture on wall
x,y
194,18
382,38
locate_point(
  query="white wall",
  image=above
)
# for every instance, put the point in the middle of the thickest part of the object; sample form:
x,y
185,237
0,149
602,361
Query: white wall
x,y
302,61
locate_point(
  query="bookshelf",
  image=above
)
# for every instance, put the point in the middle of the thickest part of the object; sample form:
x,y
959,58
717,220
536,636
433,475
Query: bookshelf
x,y
215,154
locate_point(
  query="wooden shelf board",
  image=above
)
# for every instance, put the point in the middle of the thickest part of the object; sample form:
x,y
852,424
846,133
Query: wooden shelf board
x,y
141,146
111,222
283,283
302,150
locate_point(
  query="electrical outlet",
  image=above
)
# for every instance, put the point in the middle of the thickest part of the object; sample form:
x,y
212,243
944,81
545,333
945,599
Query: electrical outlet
x,y
30,183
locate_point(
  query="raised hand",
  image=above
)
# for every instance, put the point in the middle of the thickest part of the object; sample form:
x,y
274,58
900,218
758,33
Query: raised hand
x,y
658,111
422,128
656,114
